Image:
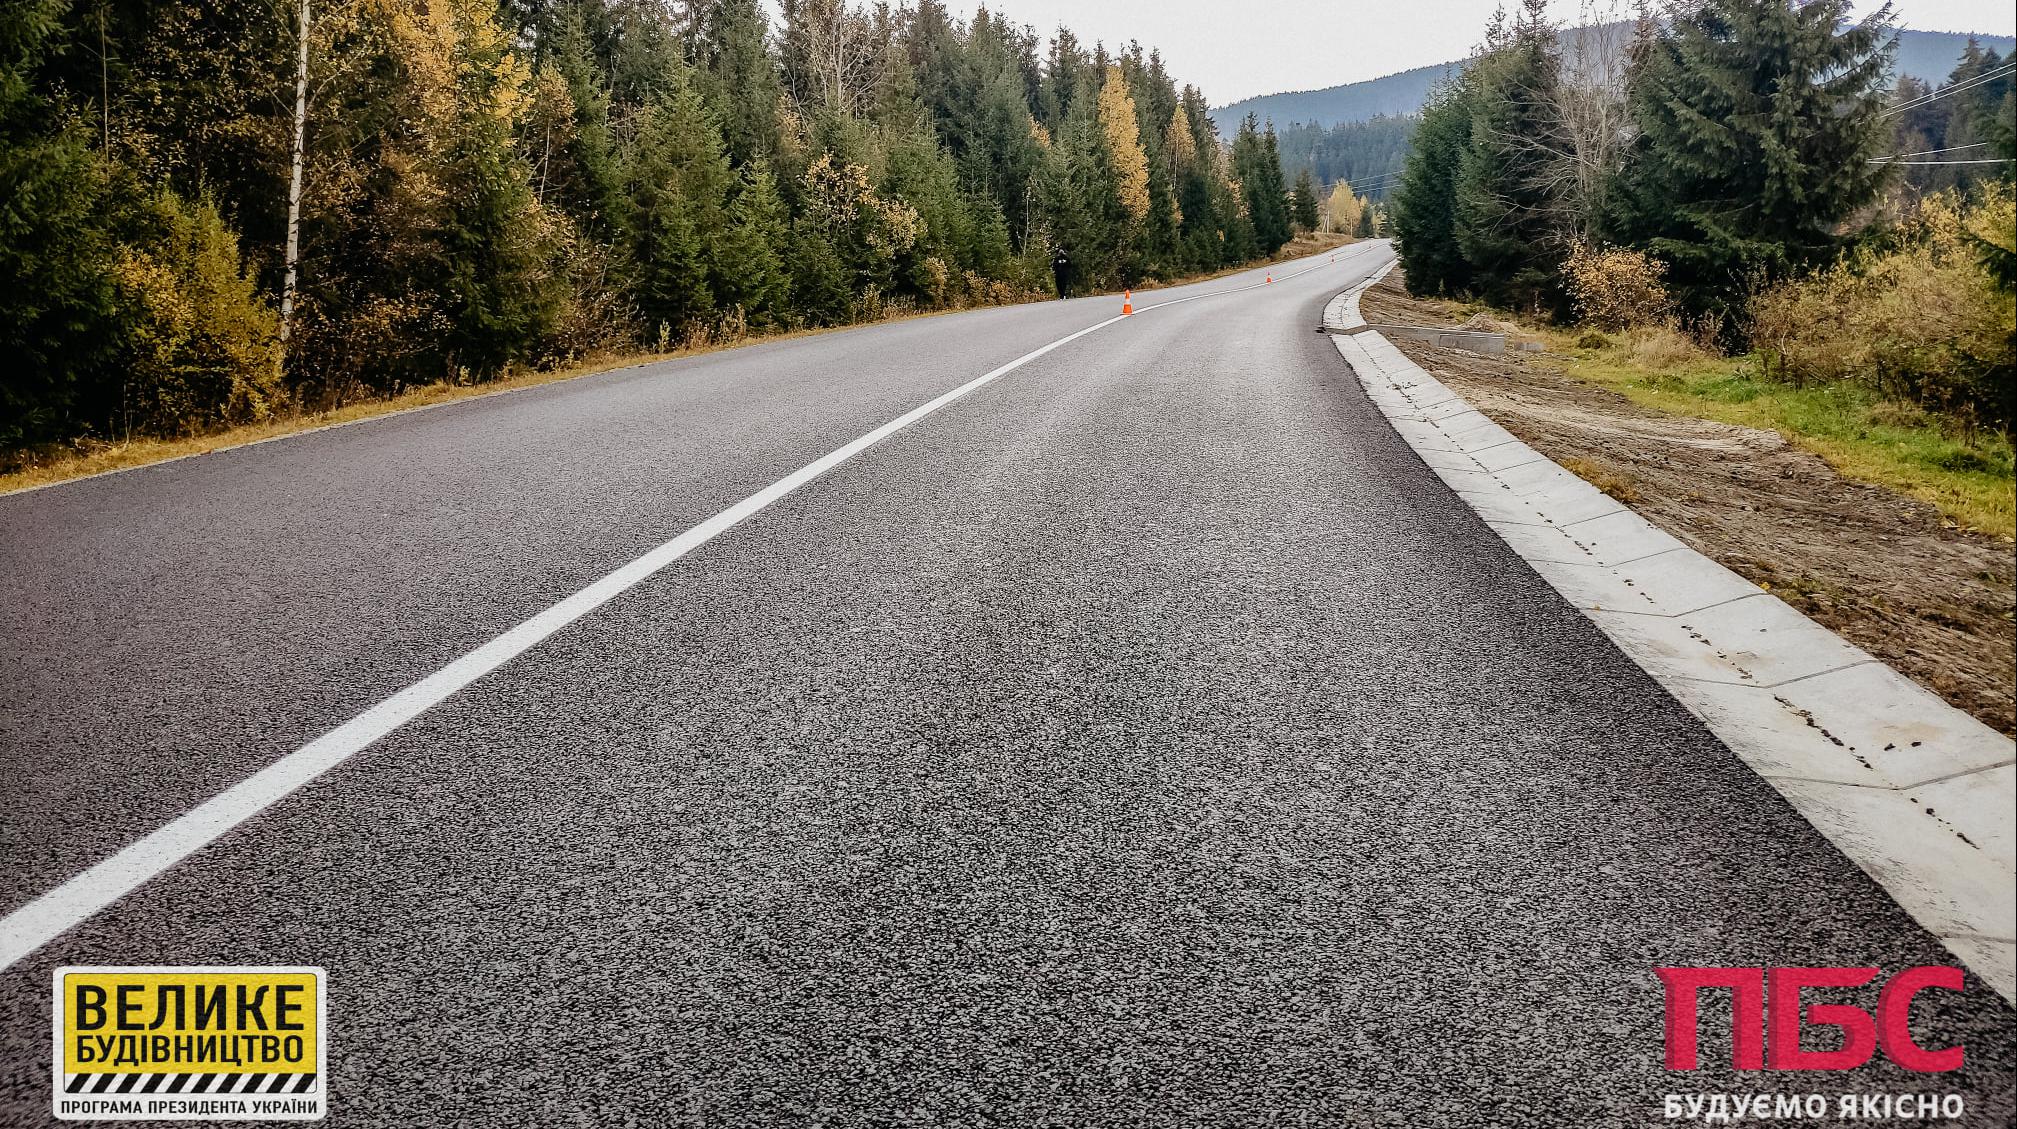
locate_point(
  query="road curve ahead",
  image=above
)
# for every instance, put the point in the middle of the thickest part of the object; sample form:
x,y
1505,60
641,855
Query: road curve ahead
x,y
1142,738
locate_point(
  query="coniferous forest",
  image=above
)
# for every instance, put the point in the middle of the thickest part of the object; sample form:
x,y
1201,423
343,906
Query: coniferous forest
x,y
1743,172
212,213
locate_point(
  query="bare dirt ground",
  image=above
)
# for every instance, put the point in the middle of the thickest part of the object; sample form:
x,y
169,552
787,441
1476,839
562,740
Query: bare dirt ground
x,y
1878,568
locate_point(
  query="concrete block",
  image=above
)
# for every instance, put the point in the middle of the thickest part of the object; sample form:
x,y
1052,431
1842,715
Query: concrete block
x,y
1472,481
1622,536
1572,502
1541,543
1504,456
1770,736
1755,641
1499,507
1439,411
1977,807
1993,962
1950,886
1449,460
1682,580
1590,586
1906,733
1528,481
1426,436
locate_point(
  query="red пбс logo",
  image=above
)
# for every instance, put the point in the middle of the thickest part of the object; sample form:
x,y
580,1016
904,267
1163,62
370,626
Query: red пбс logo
x,y
1767,1035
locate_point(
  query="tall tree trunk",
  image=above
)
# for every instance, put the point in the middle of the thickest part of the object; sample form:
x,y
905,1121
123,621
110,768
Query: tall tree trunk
x,y
294,184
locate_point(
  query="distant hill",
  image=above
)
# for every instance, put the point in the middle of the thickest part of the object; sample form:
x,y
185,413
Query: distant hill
x,y
1927,55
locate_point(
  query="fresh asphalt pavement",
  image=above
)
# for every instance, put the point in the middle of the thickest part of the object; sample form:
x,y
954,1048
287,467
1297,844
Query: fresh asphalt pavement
x,y
1146,738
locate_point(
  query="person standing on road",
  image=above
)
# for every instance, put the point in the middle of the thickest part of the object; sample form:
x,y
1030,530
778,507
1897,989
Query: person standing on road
x,y
1061,272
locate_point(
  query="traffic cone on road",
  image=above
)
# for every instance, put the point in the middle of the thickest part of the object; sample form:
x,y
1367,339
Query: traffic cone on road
x,y
1271,278
1127,303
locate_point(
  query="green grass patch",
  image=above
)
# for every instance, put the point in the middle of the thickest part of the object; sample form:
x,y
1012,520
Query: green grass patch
x,y
1968,476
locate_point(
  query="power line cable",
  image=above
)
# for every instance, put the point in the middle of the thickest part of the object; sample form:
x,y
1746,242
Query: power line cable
x,y
1997,161
1931,152
2001,72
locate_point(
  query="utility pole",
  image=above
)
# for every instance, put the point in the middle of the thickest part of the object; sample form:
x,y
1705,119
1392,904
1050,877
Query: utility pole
x,y
294,185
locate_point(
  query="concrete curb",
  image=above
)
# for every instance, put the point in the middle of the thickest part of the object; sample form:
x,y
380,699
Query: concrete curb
x,y
1919,794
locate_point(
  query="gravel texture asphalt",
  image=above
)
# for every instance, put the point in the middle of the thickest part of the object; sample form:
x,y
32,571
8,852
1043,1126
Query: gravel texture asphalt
x,y
1146,739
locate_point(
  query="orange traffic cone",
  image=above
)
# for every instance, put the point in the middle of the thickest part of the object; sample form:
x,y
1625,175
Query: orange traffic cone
x,y
1271,278
1127,303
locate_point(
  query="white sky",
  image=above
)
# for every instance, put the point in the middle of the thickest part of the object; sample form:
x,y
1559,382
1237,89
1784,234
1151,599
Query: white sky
x,y
1240,48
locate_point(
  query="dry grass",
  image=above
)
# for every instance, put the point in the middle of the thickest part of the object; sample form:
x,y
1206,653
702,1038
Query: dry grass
x,y
1616,485
1660,347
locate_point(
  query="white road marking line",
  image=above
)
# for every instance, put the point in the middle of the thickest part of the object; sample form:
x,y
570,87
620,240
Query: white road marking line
x,y
83,896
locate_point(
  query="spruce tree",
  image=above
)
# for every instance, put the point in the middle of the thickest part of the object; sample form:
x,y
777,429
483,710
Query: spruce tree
x,y
675,181
1257,166
1506,192
1303,201
741,80
1425,203
749,256
56,298
1756,121
493,258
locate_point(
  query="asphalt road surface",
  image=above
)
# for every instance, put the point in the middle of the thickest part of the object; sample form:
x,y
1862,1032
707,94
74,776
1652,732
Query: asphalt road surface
x,y
1144,739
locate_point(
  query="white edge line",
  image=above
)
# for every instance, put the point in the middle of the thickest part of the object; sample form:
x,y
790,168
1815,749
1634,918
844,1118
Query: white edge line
x,y
75,901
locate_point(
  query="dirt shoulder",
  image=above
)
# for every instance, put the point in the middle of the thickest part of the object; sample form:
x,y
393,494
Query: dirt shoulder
x,y
1883,570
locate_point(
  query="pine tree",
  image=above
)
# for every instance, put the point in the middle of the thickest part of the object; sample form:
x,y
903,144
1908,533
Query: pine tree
x,y
56,298
1506,190
1257,166
749,256
1756,120
1425,204
1303,201
675,181
819,284
582,179
742,83
492,256
1083,207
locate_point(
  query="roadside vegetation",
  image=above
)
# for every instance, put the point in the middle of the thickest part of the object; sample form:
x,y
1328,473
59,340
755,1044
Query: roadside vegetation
x,y
1861,433
237,216
1841,269
93,456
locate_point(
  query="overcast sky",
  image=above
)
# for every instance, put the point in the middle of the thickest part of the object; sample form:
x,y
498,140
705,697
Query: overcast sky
x,y
1238,48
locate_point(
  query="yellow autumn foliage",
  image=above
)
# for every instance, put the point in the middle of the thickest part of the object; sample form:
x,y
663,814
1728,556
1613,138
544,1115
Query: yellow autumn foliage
x,y
1124,145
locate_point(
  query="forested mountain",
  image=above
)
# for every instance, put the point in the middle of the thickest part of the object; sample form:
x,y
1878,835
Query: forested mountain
x,y
214,212
1390,95
1366,155
1924,55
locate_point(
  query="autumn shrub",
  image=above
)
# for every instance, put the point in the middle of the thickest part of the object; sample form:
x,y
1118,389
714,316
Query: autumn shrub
x,y
1614,288
202,345
1919,319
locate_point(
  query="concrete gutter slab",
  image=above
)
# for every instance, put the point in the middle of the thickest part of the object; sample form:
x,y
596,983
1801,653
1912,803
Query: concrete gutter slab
x,y
1920,795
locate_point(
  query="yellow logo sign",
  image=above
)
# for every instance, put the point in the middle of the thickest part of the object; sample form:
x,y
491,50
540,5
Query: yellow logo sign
x,y
186,1044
